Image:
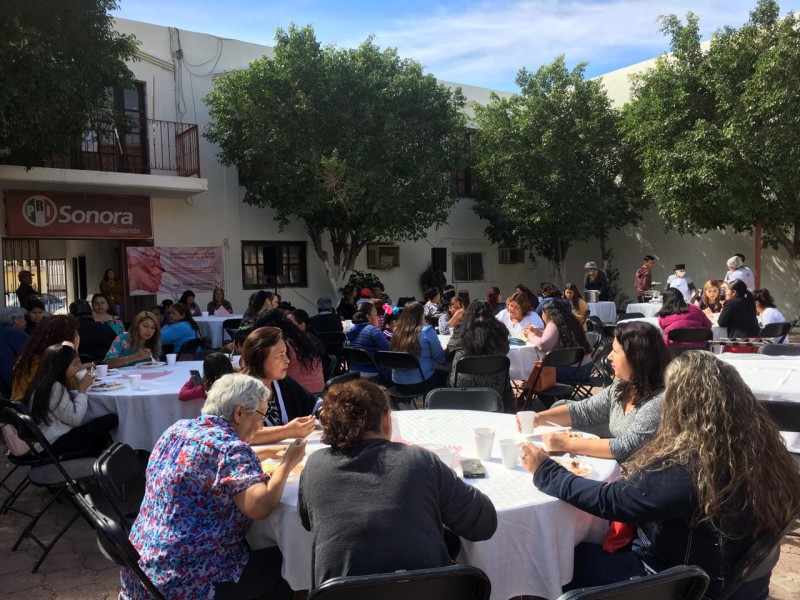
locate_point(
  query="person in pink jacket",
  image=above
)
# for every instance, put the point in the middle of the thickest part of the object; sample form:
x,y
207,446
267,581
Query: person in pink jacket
x,y
215,366
676,314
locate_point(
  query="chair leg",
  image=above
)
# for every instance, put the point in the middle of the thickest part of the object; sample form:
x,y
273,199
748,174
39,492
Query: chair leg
x,y
27,532
11,500
54,541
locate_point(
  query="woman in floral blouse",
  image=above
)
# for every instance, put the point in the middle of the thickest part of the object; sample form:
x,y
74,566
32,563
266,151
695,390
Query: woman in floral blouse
x,y
140,343
205,486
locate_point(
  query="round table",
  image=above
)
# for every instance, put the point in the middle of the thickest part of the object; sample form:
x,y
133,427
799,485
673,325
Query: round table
x,y
211,327
648,309
532,550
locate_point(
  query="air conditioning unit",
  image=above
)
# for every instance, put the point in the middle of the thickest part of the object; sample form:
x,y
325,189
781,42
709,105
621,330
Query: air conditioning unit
x,y
382,257
511,256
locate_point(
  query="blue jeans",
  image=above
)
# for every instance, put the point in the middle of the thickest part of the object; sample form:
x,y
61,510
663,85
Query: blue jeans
x,y
594,566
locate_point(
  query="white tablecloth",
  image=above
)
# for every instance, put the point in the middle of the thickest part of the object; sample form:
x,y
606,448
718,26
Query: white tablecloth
x,y
607,311
211,327
146,413
717,331
532,550
522,358
648,309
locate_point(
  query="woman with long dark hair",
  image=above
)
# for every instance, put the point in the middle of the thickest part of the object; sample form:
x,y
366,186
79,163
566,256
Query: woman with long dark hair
x,y
215,365
631,406
579,307
182,327
493,298
561,330
714,479
414,336
739,312
218,301
260,301
767,311
187,299
59,416
676,314
140,343
103,312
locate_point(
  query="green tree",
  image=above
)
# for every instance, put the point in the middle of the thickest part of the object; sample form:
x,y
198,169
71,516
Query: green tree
x,y
549,164
717,130
56,61
356,143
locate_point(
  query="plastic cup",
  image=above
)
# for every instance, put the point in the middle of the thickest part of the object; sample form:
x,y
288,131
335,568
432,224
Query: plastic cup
x,y
445,454
484,441
509,451
171,358
135,381
101,370
525,418
80,374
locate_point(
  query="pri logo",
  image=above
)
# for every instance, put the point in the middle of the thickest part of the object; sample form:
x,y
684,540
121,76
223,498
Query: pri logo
x,y
39,211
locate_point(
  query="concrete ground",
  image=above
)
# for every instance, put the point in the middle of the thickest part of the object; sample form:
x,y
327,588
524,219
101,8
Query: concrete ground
x,y
76,570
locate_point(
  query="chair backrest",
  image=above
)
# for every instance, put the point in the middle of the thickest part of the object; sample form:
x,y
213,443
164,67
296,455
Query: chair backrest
x,y
779,350
482,365
231,323
398,360
563,357
119,473
403,300
785,414
594,323
113,540
345,377
332,340
594,340
681,335
676,583
632,315
775,330
189,349
485,399
444,583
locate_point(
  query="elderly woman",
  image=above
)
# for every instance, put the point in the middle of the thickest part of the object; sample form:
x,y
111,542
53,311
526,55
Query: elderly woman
x,y
696,498
518,315
392,500
12,339
631,406
205,486
140,343
325,319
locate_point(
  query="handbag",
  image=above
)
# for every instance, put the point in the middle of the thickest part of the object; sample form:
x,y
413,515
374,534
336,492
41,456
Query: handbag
x,y
547,379
618,536
15,445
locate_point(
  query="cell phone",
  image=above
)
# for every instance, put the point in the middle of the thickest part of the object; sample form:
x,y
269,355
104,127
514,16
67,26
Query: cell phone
x,y
196,379
472,468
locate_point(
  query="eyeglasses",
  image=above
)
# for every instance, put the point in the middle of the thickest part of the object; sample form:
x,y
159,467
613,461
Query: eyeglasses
x,y
263,416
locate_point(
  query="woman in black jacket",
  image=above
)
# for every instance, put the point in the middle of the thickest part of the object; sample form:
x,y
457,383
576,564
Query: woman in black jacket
x,y
739,311
715,478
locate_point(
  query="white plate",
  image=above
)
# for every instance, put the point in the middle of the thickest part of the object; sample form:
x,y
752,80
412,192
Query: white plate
x,y
106,387
573,465
150,365
269,466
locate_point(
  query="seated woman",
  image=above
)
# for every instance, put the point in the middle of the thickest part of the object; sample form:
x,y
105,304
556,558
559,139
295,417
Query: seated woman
x,y
739,312
696,498
52,330
12,340
102,312
259,302
579,307
218,301
187,299
450,320
366,335
533,299
96,336
561,330
60,416
140,343
767,311
264,356
306,352
631,406
432,297
480,334
676,314
517,315
550,293
347,304
710,299
494,298
205,486
181,329
414,336
215,365
386,491
34,315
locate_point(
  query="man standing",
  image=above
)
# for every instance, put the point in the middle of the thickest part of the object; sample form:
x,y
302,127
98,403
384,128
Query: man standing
x,y
25,291
682,282
737,270
643,280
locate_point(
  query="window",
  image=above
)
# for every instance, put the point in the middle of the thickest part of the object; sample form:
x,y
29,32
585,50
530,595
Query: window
x,y
382,257
468,266
510,256
270,264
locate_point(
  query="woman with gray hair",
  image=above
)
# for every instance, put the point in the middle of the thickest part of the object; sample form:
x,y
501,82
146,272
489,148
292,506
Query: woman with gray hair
x,y
326,319
205,486
12,339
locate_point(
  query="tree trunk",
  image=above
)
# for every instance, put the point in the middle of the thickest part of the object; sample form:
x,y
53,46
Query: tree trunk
x,y
341,266
557,264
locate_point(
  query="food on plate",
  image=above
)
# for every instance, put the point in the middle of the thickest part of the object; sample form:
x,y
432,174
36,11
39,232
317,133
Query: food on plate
x,y
574,466
106,387
269,467
150,365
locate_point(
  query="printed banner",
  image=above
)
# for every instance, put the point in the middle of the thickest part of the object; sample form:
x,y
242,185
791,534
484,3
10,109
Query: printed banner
x,y
154,270
77,216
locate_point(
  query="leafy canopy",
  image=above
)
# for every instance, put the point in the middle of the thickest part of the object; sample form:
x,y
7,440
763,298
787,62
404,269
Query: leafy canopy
x,y
549,162
358,143
56,61
717,132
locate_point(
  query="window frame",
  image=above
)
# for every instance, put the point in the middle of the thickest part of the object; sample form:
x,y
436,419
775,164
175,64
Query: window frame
x,y
482,255
262,282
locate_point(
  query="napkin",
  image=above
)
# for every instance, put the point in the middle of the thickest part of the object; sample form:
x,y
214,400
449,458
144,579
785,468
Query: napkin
x,y
221,312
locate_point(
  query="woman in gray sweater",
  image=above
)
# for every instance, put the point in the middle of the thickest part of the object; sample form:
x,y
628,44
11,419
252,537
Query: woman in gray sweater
x,y
631,406
376,506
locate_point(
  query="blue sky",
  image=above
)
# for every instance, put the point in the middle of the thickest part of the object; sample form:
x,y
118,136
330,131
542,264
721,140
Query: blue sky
x,y
472,42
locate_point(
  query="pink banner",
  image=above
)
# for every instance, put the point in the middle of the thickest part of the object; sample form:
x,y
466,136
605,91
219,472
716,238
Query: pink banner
x,y
154,270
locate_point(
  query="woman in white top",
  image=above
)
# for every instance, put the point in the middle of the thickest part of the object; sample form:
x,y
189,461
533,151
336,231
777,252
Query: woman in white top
x,y
767,312
517,315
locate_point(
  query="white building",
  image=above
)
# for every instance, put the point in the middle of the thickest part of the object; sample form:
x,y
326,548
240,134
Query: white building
x,y
176,71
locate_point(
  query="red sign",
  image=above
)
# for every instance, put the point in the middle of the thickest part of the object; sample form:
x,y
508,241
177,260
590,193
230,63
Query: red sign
x,y
72,216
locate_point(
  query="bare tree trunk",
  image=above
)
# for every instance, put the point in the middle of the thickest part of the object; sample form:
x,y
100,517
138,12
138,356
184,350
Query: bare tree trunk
x,y
337,270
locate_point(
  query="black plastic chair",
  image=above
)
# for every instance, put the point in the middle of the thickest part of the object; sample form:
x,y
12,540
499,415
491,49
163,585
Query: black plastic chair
x,y
779,350
403,300
387,360
631,315
560,357
594,323
332,340
485,399
445,583
229,326
120,475
190,348
595,341
681,339
787,417
343,378
356,357
482,365
112,539
601,375
54,474
677,583
775,330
